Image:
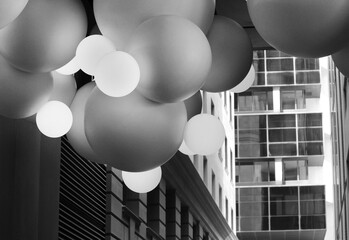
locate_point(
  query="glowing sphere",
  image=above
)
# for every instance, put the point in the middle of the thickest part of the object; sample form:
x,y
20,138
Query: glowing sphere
x,y
44,36
246,83
304,28
204,134
174,57
10,9
54,119
341,59
117,19
193,105
76,135
91,50
22,93
117,74
142,182
231,55
70,68
132,133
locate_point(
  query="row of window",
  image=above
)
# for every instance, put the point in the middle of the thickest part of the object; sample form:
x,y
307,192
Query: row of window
x,y
285,64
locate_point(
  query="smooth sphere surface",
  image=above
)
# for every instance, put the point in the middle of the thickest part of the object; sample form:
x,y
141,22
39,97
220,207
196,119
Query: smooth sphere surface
x,y
117,19
54,119
231,55
44,36
10,9
117,74
174,57
304,28
76,135
193,105
22,93
142,182
185,150
246,83
341,60
70,68
204,134
91,50
133,133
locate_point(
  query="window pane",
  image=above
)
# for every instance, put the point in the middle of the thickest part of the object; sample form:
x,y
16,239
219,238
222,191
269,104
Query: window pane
x,y
254,209
277,121
307,64
246,173
284,223
280,78
282,135
251,122
300,99
284,208
276,53
310,134
271,171
252,150
261,171
310,120
259,101
270,100
312,192
254,223
260,79
288,100
283,194
285,64
310,148
288,149
313,207
253,194
313,222
307,77
245,102
252,136
259,65
290,170
303,170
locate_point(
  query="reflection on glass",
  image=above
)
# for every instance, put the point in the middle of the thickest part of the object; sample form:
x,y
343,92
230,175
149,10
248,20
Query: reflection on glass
x,y
251,122
284,223
282,135
284,194
313,207
290,170
307,77
307,64
310,148
284,208
310,120
312,192
310,134
285,120
283,78
260,79
288,149
284,64
254,209
254,223
288,100
313,222
252,150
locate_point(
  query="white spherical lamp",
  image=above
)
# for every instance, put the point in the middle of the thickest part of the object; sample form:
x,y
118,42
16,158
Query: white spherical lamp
x,y
117,74
54,119
204,134
142,182
90,51
185,150
70,68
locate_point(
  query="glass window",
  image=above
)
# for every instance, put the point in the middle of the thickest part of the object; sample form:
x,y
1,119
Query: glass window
x,y
252,136
252,150
253,194
310,134
282,78
245,102
282,135
260,79
205,170
276,53
283,194
312,192
307,77
288,100
284,223
254,209
310,120
259,101
277,121
313,222
270,100
310,148
254,223
284,64
258,65
272,171
284,208
303,170
300,99
251,122
307,64
288,149
313,207
258,54
290,170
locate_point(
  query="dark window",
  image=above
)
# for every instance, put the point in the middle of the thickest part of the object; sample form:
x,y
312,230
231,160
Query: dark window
x,y
253,209
276,53
310,148
310,134
282,135
283,194
284,208
260,79
310,120
254,223
284,223
312,192
251,122
291,170
307,64
252,136
253,194
313,207
287,149
284,64
282,78
277,121
307,77
258,65
313,222
252,150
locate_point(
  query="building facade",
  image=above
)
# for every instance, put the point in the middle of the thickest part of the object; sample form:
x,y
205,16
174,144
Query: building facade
x,y
283,157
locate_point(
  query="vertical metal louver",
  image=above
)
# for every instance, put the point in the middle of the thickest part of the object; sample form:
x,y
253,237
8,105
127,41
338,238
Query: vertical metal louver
x,y
82,202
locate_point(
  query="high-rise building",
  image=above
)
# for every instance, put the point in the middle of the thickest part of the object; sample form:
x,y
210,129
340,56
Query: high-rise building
x,y
283,157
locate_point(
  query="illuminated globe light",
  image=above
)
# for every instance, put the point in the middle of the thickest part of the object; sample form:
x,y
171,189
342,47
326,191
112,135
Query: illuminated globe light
x,y
54,119
185,150
117,74
246,83
70,68
9,10
204,134
142,182
91,50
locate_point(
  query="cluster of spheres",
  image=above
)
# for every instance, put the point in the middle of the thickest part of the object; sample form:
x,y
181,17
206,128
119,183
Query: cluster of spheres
x,y
147,62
